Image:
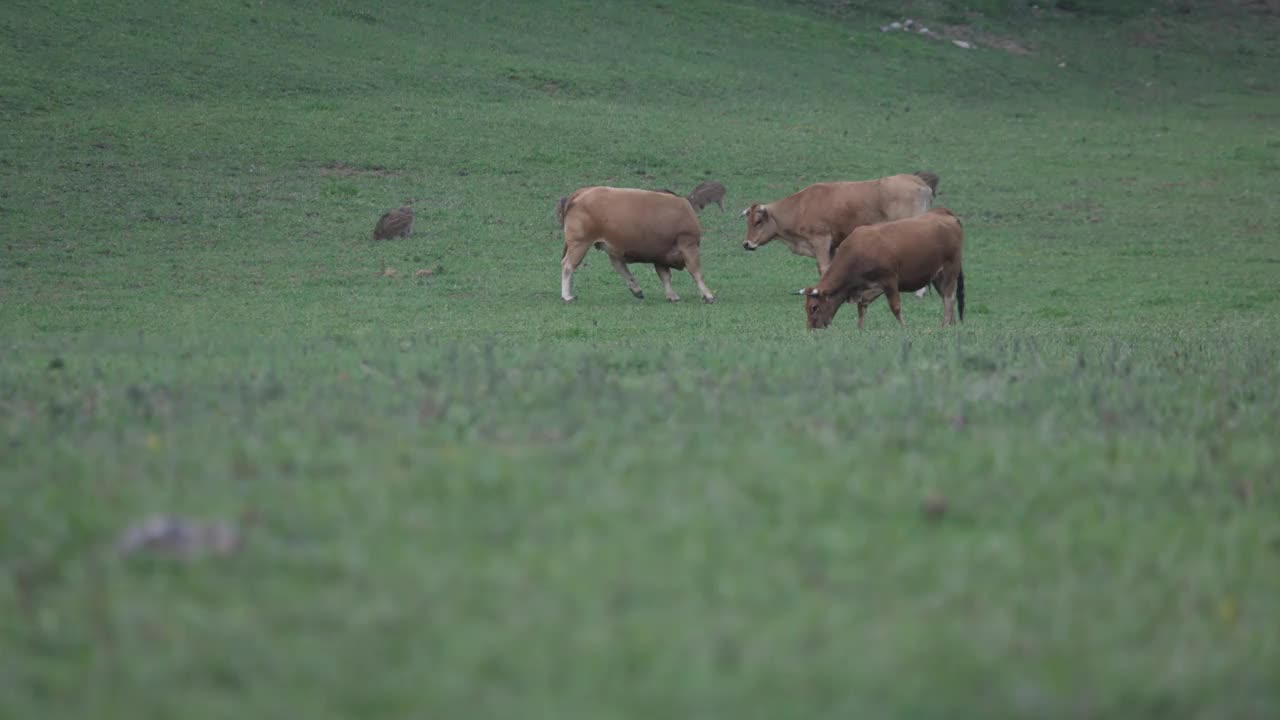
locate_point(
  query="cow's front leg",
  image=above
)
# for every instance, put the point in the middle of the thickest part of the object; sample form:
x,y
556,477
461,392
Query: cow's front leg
x,y
862,314
573,255
625,273
664,274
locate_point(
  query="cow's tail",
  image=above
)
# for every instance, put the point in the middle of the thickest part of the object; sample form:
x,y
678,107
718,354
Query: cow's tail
x,y
960,295
930,179
562,209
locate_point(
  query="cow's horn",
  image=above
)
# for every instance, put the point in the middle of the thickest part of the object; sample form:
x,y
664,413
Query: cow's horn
x,y
744,212
801,291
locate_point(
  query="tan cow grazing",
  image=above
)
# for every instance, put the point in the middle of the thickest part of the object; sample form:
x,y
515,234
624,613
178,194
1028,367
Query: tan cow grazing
x,y
888,258
814,221
631,226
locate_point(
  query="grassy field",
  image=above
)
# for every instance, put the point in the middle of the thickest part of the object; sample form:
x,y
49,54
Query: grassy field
x,y
468,499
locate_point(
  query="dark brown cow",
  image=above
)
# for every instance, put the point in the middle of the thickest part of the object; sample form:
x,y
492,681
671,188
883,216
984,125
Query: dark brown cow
x,y
814,221
888,258
631,226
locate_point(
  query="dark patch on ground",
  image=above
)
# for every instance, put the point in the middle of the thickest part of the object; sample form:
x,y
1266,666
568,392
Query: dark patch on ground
x,y
341,169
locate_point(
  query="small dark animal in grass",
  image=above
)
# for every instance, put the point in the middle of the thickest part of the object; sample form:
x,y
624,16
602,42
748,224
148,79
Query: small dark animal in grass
x,y
934,507
931,179
888,258
814,221
394,223
707,193
631,226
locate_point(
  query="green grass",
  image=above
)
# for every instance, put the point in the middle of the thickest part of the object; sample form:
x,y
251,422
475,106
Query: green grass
x,y
474,500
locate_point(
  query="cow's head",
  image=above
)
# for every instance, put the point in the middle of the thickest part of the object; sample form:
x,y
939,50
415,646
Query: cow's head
x,y
819,307
761,226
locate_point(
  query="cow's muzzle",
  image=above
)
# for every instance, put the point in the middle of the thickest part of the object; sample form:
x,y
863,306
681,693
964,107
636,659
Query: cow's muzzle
x,y
749,246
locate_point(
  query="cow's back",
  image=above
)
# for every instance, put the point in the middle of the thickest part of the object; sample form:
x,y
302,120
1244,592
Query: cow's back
x,y
904,196
846,205
934,233
631,214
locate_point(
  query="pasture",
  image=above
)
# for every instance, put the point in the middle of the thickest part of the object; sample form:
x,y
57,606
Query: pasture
x,y
467,498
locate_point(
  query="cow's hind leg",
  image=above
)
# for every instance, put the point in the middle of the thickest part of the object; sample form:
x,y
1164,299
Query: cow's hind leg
x,y
947,289
862,314
895,302
934,283
823,251
664,274
573,254
924,200
625,273
689,249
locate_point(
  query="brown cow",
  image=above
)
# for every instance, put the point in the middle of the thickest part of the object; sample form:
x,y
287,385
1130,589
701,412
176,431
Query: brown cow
x,y
814,221
631,226
901,255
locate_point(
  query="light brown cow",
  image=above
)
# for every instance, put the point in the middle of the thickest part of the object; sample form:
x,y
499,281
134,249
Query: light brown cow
x,y
631,226
814,221
884,259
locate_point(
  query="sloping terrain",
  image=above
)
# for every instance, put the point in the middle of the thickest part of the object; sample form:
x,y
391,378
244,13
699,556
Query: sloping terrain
x,y
456,496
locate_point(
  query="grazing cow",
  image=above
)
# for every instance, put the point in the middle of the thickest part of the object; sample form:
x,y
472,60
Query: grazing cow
x,y
394,223
631,226
814,221
706,193
883,259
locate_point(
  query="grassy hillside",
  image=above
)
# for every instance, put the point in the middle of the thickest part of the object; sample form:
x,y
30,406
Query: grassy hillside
x,y
466,498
